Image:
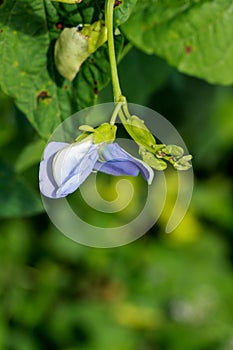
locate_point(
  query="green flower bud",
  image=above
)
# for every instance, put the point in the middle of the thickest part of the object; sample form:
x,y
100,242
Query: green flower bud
x,y
183,163
151,160
140,133
173,150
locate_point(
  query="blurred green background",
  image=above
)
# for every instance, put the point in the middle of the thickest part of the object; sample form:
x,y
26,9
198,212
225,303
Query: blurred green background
x,y
168,292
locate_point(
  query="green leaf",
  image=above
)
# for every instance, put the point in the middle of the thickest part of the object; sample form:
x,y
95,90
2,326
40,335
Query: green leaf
x,y
123,11
7,122
16,197
30,155
194,36
74,46
27,70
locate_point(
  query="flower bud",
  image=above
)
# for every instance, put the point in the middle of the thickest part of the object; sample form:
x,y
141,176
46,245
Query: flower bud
x,y
183,163
151,160
173,150
140,133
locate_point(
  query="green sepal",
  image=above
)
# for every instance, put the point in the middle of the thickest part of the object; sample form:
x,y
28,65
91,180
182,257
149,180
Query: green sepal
x,y
105,133
87,128
84,136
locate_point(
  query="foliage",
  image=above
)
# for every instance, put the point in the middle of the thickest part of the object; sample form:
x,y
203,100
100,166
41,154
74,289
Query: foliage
x,y
171,292
191,35
194,36
31,79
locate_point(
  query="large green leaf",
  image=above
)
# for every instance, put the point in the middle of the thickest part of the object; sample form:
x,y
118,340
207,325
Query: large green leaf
x,y
123,11
23,70
16,197
28,30
195,36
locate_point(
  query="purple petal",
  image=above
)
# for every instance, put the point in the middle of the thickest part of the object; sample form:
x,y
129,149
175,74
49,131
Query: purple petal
x,y
48,185
72,165
119,162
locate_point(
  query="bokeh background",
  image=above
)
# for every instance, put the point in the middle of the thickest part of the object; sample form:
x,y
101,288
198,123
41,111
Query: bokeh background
x,y
162,292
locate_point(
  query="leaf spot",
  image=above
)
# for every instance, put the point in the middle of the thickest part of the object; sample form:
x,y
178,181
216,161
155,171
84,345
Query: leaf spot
x,y
43,96
117,3
59,25
188,49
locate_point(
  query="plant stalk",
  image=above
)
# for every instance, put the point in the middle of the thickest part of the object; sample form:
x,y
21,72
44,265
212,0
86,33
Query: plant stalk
x,y
111,49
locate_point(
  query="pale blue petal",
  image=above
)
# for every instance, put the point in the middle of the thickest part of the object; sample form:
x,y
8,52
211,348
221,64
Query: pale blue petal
x,y
118,167
72,165
119,162
48,185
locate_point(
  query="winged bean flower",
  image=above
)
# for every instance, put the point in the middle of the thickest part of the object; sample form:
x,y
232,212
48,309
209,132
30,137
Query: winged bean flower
x,y
65,167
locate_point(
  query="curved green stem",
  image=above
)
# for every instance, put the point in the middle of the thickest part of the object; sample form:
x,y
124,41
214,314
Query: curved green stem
x,y
115,113
126,111
111,49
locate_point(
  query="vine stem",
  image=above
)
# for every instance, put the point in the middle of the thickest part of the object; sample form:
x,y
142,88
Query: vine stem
x,y
118,97
111,49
